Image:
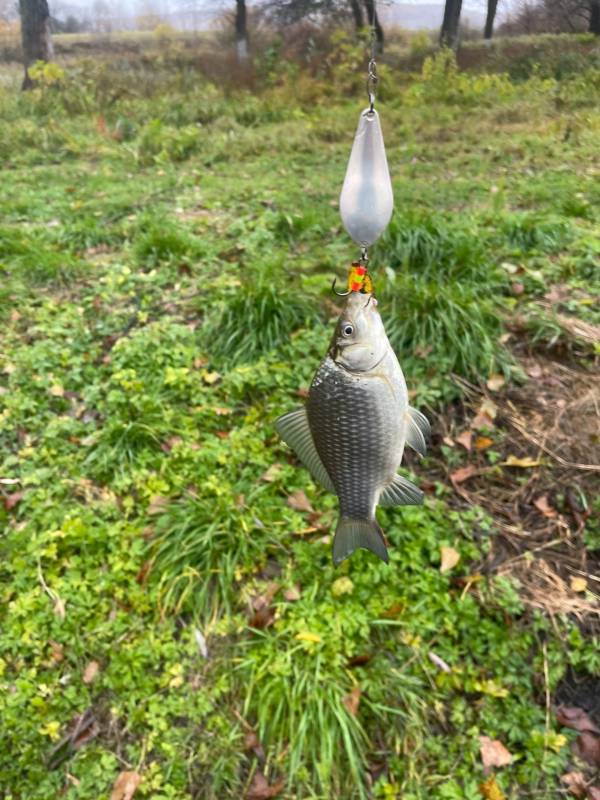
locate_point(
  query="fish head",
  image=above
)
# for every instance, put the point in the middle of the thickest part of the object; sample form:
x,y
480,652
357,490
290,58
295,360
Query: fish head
x,y
359,342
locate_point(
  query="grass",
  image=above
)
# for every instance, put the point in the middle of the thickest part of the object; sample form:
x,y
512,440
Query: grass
x,y
166,253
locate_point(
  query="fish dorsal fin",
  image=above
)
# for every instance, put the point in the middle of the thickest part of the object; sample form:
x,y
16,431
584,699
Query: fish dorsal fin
x,y
418,430
295,431
401,492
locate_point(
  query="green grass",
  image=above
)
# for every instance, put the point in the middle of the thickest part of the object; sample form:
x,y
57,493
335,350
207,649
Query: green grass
x,y
166,253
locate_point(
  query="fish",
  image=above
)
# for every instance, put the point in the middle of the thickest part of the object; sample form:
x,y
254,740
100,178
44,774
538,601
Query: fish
x,y
352,431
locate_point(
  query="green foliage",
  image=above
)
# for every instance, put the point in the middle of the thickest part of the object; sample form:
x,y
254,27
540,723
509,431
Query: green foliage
x,y
256,318
164,254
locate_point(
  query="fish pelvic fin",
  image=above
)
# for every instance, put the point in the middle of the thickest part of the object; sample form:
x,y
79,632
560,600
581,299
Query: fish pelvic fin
x,y
295,431
351,534
401,492
418,430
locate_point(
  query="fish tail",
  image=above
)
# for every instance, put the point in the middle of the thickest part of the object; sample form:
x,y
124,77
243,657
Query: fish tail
x,y
351,534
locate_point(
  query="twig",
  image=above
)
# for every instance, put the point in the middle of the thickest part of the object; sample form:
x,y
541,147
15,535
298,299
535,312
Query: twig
x,y
567,464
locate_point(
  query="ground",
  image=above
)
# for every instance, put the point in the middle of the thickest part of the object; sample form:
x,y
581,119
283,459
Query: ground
x,y
170,614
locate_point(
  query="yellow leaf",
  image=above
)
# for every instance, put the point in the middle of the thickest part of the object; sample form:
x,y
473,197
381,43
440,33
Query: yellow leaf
x,y
578,584
210,377
306,636
483,442
57,391
490,790
490,687
495,382
342,586
450,558
525,463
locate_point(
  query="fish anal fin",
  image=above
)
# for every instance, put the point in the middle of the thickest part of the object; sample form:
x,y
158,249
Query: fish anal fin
x,y
295,431
401,492
351,534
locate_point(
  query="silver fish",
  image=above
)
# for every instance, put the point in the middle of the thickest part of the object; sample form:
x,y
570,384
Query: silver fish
x,y
352,431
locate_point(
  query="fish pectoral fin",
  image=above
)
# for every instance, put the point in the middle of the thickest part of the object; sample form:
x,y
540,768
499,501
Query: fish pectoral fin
x,y
351,534
401,492
295,431
418,430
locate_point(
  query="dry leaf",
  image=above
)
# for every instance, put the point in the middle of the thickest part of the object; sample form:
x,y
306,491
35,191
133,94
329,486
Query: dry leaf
x,y
59,607
261,790
490,790
272,473
221,411
462,474
201,642
534,371
517,288
157,504
523,463
575,783
495,382
587,747
576,718
483,442
450,558
542,504
57,391
593,793
292,594
90,672
352,700
299,501
439,662
11,500
125,786
493,753
465,439
578,584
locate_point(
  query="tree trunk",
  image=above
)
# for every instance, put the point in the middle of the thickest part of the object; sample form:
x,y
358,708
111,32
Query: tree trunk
x,y
241,30
373,19
595,17
449,32
35,35
488,31
357,13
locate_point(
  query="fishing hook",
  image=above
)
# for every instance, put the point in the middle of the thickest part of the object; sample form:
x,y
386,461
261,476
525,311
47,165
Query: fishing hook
x,y
339,294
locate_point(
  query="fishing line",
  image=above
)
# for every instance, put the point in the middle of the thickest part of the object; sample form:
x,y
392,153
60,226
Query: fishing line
x,y
366,199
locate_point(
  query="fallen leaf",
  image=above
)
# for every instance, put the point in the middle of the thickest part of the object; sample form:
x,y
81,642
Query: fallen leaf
x,y
523,463
57,391
264,599
299,501
486,414
578,584
465,439
201,642
462,474
9,481
575,783
517,288
125,786
439,662
90,672
490,790
593,793
351,701
306,636
448,441
495,382
534,371
576,718
483,442
542,504
221,411
272,473
493,753
59,607
210,377
587,747
359,660
423,351
292,594
11,500
449,558
260,789
157,504
342,586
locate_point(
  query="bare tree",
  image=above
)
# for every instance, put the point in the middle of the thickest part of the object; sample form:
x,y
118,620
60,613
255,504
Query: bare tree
x,y
488,31
35,35
373,20
450,23
241,30
357,13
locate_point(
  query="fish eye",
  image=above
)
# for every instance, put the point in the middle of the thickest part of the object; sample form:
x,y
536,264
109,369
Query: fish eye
x,y
347,329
